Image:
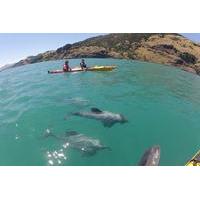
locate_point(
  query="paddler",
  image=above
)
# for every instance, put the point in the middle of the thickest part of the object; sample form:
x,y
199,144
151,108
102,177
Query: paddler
x,y
66,67
83,65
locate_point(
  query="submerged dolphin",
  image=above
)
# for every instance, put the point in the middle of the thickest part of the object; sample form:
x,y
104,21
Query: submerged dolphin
x,y
87,145
107,118
78,101
151,157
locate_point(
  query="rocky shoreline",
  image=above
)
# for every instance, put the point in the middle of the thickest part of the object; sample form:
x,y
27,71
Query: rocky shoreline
x,y
164,48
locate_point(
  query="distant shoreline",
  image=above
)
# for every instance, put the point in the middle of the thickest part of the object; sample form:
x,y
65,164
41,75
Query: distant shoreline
x,y
141,61
167,49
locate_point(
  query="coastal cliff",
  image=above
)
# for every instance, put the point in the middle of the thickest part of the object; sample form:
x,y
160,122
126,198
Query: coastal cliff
x,y
165,48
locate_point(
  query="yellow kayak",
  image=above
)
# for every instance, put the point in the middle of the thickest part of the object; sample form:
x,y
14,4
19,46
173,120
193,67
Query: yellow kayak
x,y
78,69
101,68
195,161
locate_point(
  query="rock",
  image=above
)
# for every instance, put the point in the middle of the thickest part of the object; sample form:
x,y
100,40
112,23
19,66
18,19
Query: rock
x,y
64,48
189,69
168,48
197,68
179,62
188,58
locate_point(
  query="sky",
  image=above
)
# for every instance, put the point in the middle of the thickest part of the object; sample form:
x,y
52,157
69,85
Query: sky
x,y
14,47
192,36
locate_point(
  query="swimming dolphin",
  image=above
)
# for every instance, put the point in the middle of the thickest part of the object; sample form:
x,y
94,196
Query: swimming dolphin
x,y
107,118
151,157
87,145
78,101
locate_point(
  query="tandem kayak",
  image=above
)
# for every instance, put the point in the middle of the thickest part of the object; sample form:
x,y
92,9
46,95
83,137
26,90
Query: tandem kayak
x,y
195,161
78,69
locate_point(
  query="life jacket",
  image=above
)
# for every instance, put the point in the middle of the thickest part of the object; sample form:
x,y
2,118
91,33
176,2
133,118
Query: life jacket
x,y
83,64
65,67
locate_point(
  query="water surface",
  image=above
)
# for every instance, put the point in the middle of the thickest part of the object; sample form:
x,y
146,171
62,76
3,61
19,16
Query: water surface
x,y
161,103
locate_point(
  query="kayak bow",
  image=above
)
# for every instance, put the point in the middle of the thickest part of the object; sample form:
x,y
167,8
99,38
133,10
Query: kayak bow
x,y
195,161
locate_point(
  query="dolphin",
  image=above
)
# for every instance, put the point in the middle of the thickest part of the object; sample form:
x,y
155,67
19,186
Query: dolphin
x,y
107,118
78,101
151,157
86,145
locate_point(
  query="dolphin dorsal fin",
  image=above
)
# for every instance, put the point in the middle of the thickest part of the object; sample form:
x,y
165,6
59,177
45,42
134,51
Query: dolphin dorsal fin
x,y
96,110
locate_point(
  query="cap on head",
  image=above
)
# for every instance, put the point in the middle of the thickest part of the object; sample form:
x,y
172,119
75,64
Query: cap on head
x,y
82,60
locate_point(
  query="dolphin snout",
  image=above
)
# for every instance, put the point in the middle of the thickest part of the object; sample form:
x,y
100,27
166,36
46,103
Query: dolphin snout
x,y
123,119
151,157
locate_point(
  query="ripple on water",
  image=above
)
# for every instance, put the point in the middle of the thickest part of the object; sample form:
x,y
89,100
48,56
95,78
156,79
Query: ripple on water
x,y
162,105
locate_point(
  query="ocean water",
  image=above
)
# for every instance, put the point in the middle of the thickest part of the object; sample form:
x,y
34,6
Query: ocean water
x,y
161,103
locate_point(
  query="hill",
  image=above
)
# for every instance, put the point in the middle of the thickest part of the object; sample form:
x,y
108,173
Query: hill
x,y
164,48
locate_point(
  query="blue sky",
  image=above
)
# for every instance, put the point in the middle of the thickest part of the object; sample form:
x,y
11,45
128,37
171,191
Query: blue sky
x,y
192,36
14,47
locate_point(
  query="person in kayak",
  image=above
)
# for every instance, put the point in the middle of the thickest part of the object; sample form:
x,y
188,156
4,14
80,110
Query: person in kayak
x,y
66,67
83,65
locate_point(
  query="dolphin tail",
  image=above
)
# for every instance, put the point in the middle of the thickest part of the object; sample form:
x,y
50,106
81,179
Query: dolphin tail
x,y
75,113
67,116
71,114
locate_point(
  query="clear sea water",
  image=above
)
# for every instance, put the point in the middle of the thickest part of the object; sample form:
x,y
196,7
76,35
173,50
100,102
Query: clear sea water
x,y
162,105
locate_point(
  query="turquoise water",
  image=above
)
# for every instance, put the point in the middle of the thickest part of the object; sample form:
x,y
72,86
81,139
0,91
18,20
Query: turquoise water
x,y
161,103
